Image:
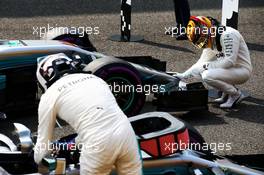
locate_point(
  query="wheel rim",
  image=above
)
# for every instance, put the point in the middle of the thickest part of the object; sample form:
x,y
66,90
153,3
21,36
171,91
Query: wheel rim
x,y
123,99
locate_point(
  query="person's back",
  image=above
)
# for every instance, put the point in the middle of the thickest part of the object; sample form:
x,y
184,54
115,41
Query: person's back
x,y
104,133
243,57
86,98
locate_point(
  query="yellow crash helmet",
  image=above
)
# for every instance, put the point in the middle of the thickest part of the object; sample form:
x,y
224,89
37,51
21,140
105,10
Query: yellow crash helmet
x,y
198,31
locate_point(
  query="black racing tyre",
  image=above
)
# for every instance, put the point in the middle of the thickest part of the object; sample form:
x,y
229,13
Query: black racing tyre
x,y
194,134
123,80
197,138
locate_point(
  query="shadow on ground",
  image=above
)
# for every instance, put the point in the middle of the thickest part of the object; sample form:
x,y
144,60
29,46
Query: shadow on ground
x,y
203,118
166,46
243,111
256,47
248,107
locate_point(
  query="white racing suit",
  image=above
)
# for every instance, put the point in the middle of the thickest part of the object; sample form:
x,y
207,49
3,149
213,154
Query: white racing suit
x,y
223,70
104,132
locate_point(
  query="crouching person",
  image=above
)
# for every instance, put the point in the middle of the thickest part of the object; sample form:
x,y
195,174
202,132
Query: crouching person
x,y
86,103
225,60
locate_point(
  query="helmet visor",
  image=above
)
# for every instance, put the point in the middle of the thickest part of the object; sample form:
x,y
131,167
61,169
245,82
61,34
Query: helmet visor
x,y
202,41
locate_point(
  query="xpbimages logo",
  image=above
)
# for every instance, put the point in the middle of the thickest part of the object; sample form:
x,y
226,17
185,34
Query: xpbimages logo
x,y
51,146
213,147
81,30
213,31
128,88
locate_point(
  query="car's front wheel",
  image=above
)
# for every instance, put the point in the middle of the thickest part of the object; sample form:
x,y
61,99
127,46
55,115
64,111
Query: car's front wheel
x,y
124,81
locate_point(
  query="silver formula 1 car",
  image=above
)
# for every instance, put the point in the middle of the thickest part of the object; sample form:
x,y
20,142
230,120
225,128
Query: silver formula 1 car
x,y
18,87
156,133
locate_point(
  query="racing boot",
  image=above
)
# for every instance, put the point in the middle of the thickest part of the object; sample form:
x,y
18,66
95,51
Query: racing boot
x,y
221,99
233,99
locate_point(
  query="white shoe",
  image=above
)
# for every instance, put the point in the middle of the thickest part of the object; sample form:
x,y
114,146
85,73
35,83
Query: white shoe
x,y
233,99
222,99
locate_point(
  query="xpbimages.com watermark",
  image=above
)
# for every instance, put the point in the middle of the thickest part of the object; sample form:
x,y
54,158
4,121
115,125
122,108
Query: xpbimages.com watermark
x,y
213,31
81,30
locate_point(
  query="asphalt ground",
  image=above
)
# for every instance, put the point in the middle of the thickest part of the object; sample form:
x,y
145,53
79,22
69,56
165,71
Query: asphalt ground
x,y
243,126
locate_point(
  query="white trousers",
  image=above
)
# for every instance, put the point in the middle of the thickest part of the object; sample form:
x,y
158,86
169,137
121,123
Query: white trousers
x,y
222,79
119,149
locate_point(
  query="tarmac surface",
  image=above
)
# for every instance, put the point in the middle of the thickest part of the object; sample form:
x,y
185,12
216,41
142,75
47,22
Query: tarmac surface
x,y
242,127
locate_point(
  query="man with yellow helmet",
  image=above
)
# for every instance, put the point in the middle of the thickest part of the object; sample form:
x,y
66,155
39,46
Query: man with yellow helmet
x,y
225,61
